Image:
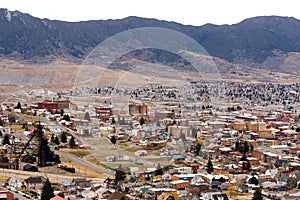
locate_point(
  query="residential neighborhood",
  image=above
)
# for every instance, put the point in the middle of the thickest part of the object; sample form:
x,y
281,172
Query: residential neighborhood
x,y
164,143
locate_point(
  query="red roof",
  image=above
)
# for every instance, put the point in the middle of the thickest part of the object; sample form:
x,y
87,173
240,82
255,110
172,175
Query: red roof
x,y
57,198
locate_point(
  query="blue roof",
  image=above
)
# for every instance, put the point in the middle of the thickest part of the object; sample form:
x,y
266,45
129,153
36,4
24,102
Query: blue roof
x,y
177,157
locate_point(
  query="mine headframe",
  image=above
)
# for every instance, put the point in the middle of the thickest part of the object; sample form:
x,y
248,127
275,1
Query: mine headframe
x,y
44,153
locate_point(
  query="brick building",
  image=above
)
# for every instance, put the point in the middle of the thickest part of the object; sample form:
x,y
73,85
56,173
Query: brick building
x,y
138,109
103,113
6,195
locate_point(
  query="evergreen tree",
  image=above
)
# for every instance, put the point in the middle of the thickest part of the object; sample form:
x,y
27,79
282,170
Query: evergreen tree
x,y
251,148
72,142
237,145
246,147
113,121
66,118
174,122
120,175
241,147
87,116
197,149
63,137
158,170
257,195
52,138
56,140
244,158
113,139
222,180
62,112
6,139
246,165
142,121
209,167
47,191
18,106
253,180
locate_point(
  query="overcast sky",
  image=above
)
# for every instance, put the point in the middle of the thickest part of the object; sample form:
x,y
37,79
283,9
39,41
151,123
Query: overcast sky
x,y
191,12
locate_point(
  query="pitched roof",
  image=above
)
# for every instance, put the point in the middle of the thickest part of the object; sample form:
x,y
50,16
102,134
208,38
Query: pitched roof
x,y
35,179
57,198
164,196
220,196
177,156
116,196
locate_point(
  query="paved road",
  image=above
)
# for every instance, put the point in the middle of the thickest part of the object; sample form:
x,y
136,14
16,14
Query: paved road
x,y
96,149
116,152
86,164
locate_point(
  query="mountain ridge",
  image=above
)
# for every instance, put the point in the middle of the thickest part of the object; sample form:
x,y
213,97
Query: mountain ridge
x,y
253,42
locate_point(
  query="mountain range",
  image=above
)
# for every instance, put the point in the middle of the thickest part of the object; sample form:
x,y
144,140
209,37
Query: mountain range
x,y
260,42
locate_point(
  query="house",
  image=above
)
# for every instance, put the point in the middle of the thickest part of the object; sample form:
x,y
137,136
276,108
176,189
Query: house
x,y
29,167
117,196
213,195
215,184
57,198
178,158
165,196
35,182
270,157
182,170
4,162
220,197
194,166
104,192
48,105
217,124
137,109
155,192
62,103
15,182
242,188
179,184
292,181
197,189
66,183
103,113
88,194
156,144
283,177
81,182
28,159
6,195
197,180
